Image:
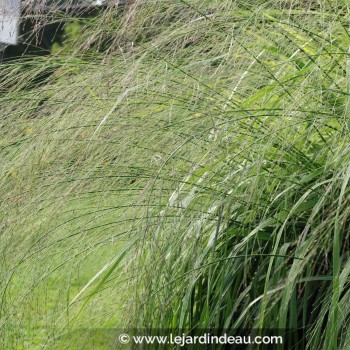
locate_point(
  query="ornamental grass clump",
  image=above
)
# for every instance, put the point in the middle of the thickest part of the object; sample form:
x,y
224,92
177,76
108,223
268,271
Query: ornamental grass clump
x,y
179,165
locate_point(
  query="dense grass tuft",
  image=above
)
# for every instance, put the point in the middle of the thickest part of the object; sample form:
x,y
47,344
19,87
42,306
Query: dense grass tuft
x,y
183,165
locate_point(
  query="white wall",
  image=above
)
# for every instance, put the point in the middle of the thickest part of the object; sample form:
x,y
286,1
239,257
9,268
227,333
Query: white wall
x,y
10,11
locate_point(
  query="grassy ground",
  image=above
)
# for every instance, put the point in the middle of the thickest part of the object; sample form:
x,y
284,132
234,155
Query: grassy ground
x,y
182,165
